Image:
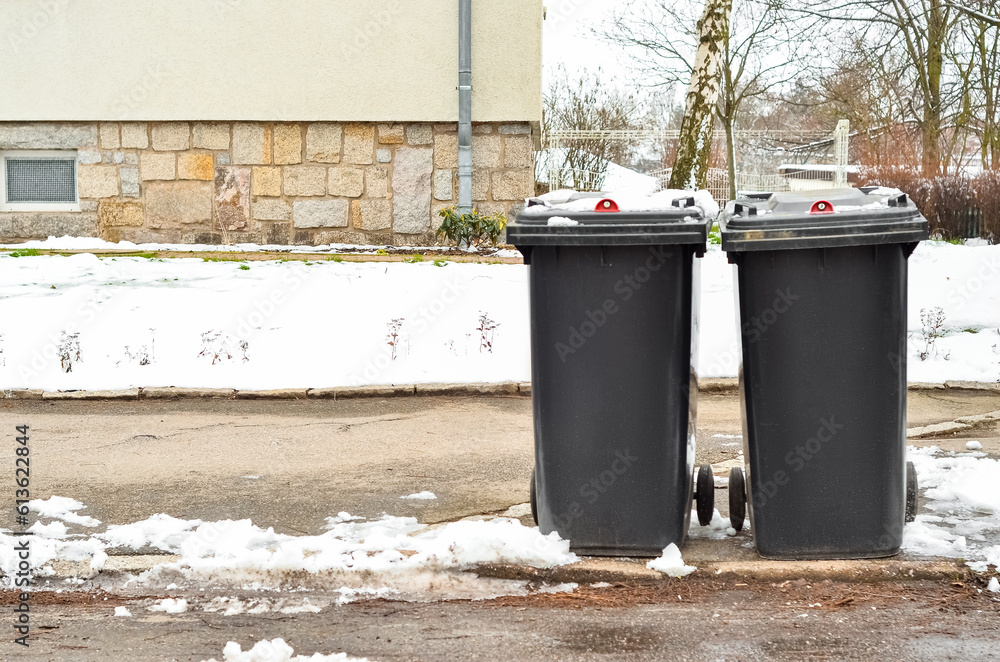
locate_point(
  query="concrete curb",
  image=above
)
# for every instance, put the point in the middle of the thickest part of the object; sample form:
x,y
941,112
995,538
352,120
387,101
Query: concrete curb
x,y
591,570
612,570
713,386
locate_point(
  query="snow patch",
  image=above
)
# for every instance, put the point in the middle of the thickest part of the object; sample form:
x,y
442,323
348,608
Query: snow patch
x,y
170,605
671,563
276,650
421,496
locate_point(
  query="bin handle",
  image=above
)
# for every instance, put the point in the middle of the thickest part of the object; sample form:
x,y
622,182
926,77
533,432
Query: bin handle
x,y
821,207
740,208
606,205
898,202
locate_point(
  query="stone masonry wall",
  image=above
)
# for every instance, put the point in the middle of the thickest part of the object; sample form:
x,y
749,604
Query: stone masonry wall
x,y
271,183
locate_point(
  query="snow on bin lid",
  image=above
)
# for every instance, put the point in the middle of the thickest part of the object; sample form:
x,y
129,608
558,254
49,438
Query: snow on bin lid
x,y
571,218
821,219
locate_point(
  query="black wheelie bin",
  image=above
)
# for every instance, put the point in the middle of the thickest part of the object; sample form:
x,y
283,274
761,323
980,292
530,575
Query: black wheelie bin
x,y
614,328
822,278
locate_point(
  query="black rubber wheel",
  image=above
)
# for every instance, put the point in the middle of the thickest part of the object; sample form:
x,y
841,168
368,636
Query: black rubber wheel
x,y
704,496
534,502
737,498
911,492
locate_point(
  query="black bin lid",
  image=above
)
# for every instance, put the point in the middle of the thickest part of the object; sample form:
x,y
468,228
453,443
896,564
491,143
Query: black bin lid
x,y
597,219
821,219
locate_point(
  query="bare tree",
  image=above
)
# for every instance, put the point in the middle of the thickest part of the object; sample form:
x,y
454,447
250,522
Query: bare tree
x,y
695,144
758,52
587,102
919,30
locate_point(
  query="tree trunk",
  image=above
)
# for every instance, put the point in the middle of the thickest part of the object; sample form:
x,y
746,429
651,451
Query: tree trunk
x,y
931,130
695,144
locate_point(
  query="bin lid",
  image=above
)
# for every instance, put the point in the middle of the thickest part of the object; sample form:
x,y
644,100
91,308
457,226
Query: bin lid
x,y
821,219
569,218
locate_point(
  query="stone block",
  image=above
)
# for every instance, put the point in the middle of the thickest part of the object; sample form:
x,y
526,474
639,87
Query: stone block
x,y
274,233
371,214
131,158
443,188
304,181
391,134
267,181
157,166
88,156
134,135
519,152
383,155
445,150
251,144
325,237
346,182
118,158
446,127
481,184
359,144
377,182
210,135
223,158
287,144
485,151
129,176
411,189
320,213
272,210
97,181
172,136
47,135
116,213
173,205
323,142
513,185
195,166
516,129
110,137
232,198
484,127
35,225
91,205
419,134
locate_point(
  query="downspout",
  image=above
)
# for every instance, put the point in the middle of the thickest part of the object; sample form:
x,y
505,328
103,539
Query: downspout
x,y
464,106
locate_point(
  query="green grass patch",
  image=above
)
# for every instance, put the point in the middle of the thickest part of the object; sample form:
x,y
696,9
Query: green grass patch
x,y
26,252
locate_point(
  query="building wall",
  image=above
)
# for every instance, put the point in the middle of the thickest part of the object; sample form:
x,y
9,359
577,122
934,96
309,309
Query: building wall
x,y
265,60
275,183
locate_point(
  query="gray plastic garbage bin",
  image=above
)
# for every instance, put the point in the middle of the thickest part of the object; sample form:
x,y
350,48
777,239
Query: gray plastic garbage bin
x,y
822,283
613,340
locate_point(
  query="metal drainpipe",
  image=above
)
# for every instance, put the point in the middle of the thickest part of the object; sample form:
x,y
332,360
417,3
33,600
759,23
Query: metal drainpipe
x,y
464,106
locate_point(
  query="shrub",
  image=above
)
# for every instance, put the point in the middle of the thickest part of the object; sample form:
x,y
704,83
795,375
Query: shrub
x,y
956,206
471,229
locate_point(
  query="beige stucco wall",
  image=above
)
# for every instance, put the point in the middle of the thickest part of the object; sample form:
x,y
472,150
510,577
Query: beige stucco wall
x,y
302,60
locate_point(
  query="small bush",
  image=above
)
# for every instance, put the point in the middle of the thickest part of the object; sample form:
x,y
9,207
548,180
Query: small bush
x,y
472,229
956,206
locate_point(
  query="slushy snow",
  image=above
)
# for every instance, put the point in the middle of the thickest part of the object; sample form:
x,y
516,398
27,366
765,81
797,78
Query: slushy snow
x,y
960,492
276,650
421,496
170,605
671,563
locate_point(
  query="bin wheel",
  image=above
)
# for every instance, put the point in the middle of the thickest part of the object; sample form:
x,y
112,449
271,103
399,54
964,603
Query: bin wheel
x,y
704,496
534,502
737,498
911,492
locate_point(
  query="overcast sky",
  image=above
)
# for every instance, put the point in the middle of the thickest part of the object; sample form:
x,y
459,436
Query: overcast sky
x,y
566,38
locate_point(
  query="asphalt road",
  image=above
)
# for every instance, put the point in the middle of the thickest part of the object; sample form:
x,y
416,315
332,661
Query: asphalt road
x,y
689,619
290,464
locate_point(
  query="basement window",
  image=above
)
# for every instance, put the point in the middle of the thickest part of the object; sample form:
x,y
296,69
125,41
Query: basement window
x,y
38,181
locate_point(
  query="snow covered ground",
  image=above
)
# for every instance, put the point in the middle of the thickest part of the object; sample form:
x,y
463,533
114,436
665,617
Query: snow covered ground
x,y
400,558
84,322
